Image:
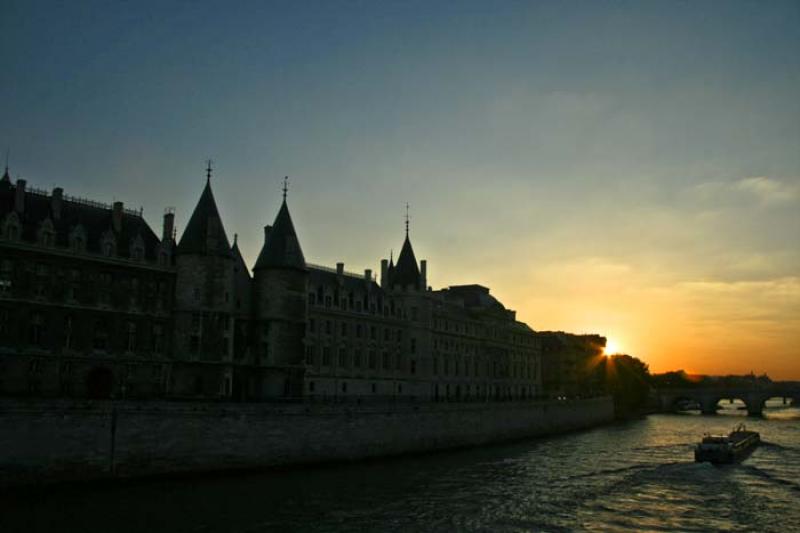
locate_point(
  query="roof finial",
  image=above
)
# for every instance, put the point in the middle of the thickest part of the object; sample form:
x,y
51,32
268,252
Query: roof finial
x,y
208,170
407,219
285,186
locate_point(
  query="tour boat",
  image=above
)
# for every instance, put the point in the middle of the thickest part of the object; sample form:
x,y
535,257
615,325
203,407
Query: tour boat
x,y
727,448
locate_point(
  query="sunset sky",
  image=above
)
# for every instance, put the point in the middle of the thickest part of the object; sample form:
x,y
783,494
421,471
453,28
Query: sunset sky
x,y
625,168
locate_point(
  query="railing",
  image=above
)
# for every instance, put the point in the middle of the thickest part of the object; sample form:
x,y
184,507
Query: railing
x,y
334,271
84,201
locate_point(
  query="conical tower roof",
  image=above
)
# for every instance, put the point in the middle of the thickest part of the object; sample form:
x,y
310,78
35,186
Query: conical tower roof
x,y
204,233
406,271
281,247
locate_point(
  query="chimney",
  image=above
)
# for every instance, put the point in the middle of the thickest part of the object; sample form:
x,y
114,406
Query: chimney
x,y
423,273
169,224
368,275
56,201
19,197
267,231
384,273
340,269
116,216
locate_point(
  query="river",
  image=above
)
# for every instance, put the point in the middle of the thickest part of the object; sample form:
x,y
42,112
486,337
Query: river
x,y
636,475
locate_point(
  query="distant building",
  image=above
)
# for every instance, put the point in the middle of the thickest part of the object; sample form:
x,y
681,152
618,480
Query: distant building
x,y
94,304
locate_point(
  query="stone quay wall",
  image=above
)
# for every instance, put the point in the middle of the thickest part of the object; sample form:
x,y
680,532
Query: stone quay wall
x,y
45,441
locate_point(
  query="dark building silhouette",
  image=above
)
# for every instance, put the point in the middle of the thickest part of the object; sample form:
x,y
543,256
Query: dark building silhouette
x,y
94,304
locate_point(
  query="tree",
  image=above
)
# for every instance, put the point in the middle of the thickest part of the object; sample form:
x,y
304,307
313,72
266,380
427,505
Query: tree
x,y
627,379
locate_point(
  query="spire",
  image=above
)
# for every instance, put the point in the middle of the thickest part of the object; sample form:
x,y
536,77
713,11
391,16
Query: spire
x,y
204,234
406,272
208,170
6,177
281,247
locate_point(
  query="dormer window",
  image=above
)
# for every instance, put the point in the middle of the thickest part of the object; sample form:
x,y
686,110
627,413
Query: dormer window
x,y
77,239
108,244
47,234
11,227
137,248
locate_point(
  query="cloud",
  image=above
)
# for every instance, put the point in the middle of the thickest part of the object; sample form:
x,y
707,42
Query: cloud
x,y
767,190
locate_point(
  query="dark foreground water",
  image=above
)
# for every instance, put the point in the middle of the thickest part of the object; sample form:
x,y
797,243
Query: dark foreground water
x,y
638,475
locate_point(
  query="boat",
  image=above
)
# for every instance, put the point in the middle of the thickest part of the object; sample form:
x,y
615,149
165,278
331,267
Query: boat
x,y
719,449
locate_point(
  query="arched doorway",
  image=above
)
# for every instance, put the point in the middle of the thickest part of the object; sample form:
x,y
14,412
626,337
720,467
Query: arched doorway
x,y
99,383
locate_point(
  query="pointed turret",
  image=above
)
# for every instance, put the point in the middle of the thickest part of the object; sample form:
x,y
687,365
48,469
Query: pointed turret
x,y
406,272
280,281
6,179
281,247
204,233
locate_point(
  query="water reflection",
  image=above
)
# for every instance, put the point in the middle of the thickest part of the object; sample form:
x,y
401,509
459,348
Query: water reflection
x,y
630,476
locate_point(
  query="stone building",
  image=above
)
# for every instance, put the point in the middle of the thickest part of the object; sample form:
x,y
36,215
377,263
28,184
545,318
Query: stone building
x,y
93,303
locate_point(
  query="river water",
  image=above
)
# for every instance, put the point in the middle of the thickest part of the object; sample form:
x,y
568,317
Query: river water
x,y
637,475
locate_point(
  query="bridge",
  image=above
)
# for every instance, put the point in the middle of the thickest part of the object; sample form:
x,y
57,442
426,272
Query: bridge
x,y
709,397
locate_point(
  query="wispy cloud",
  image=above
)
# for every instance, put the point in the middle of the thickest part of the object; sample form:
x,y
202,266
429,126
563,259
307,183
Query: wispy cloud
x,y
764,190
767,190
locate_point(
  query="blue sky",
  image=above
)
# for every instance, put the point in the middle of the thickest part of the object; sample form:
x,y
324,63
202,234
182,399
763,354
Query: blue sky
x,y
631,168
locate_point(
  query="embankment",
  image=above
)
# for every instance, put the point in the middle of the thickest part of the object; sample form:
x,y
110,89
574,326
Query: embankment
x,y
44,441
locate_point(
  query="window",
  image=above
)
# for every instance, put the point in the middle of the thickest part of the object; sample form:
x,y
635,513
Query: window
x,y
6,276
157,338
47,235
413,366
374,388
386,362
328,327
35,336
342,357
194,344
372,361
413,345
343,329
312,298
359,331
309,355
372,332
326,356
312,325
68,332
385,334
3,322
357,358
100,336
344,386
108,246
311,386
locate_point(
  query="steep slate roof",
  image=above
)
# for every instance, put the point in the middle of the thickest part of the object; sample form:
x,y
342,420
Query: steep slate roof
x,y
204,234
406,272
237,257
93,219
281,247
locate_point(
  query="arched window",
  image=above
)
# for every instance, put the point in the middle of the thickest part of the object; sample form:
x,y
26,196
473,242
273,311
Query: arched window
x,y
47,233
11,227
108,244
77,239
137,248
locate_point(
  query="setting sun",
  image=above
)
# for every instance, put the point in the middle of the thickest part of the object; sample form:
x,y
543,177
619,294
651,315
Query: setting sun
x,y
612,347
